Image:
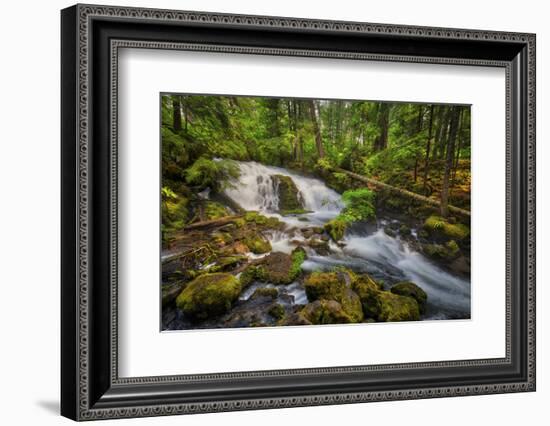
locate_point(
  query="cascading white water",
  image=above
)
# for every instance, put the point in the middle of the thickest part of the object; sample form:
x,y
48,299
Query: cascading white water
x,y
254,190
384,257
447,294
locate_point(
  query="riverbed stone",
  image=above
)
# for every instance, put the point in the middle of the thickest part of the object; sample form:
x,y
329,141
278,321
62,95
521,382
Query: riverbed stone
x,y
394,307
439,227
290,199
257,244
335,286
368,291
407,288
277,268
209,295
336,228
325,312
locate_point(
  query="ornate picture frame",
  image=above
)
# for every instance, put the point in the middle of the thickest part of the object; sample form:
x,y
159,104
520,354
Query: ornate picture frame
x,y
91,39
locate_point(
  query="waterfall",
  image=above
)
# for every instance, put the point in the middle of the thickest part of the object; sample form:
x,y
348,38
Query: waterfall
x,y
255,190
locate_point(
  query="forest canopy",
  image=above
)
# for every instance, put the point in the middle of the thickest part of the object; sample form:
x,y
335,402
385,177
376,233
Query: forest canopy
x,y
424,148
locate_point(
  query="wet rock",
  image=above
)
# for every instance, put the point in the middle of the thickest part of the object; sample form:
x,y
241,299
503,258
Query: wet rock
x,y
227,263
335,286
461,265
265,292
410,289
325,312
295,318
277,268
209,295
170,292
290,199
257,244
368,291
336,229
277,311
437,226
394,307
321,247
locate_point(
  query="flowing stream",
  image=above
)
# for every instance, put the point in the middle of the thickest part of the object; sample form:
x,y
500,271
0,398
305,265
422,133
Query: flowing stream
x,y
365,248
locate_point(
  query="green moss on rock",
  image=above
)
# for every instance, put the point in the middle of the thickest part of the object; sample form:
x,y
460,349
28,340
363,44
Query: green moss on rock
x,y
227,263
437,225
214,210
290,199
277,268
277,311
410,289
368,291
325,312
336,228
394,307
265,292
262,221
257,244
335,286
209,295
440,252
324,285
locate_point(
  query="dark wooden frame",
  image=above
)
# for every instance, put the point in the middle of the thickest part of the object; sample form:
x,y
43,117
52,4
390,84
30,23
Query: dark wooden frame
x,y
90,386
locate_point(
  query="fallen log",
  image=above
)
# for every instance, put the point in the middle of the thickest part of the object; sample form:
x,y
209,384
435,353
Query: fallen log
x,y
211,223
403,192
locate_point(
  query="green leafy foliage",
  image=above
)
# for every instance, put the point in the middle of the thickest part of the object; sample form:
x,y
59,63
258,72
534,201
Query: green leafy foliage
x,y
213,174
359,205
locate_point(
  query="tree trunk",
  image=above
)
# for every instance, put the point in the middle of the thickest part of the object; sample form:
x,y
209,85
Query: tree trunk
x,y
455,111
441,134
403,192
316,129
381,142
176,106
428,142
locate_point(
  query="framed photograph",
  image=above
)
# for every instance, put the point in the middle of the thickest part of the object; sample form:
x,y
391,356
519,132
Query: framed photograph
x,y
263,212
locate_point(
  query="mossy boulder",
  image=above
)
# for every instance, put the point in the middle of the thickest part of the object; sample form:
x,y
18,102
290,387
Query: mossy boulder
x,y
270,292
263,222
248,276
227,263
335,286
257,243
215,210
404,230
290,199
295,318
410,289
209,295
321,247
277,311
351,304
442,252
438,226
368,291
324,285
277,268
394,307
336,228
325,312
